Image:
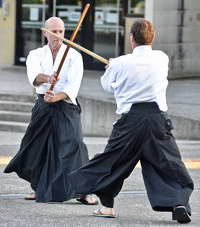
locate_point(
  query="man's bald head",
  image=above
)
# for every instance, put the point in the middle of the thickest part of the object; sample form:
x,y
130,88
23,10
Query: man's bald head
x,y
53,20
57,26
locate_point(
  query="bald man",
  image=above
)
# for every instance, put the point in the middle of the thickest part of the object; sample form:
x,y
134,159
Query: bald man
x,y
53,143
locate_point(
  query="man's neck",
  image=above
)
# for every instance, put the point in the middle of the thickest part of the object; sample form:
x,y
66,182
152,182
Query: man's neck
x,y
54,51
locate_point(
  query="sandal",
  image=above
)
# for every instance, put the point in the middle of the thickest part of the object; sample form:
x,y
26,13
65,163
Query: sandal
x,y
87,200
30,196
181,215
99,213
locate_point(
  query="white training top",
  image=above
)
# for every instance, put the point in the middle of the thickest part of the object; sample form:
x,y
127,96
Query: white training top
x,y
137,77
41,61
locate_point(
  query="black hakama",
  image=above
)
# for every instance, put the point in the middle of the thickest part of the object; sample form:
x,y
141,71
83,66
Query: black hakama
x,y
53,144
144,134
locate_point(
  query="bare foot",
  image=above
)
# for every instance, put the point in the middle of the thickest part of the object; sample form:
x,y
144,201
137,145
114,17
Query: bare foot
x,y
30,196
88,200
105,212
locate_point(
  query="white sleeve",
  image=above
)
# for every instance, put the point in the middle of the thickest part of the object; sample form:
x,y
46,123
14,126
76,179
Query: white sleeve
x,y
33,66
75,74
109,78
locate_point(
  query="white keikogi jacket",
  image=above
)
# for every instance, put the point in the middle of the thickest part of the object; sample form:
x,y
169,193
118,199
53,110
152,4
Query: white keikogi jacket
x,y
40,61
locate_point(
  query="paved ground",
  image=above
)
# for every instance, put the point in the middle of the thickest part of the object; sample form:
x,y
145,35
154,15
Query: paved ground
x,y
132,206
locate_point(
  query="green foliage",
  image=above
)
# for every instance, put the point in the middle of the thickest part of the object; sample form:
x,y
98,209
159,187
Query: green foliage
x,y
32,1
135,2
105,1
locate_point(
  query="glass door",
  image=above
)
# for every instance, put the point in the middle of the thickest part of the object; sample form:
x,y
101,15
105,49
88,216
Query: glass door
x,y
70,12
107,32
31,15
107,29
100,32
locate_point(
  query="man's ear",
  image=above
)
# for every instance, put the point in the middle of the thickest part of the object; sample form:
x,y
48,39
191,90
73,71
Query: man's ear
x,y
154,36
131,37
44,34
132,40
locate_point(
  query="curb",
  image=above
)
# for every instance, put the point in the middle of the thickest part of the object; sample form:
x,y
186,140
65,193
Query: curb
x,y
97,118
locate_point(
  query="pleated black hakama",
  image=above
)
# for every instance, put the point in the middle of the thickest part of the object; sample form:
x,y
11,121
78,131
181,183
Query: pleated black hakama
x,y
144,134
53,144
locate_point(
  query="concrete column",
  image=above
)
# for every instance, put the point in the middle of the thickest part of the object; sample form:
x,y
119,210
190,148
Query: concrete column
x,y
7,37
177,24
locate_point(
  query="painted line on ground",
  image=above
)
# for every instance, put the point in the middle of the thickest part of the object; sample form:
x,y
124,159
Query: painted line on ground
x,y
189,163
127,192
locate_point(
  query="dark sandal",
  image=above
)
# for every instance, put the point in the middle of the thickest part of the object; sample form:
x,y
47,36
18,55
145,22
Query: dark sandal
x,y
98,213
84,201
181,215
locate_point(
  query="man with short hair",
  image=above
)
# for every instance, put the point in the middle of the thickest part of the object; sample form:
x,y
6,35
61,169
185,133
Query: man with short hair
x,y
53,143
143,133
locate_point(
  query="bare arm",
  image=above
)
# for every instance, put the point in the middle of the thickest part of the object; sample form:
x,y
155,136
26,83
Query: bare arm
x,y
43,78
40,79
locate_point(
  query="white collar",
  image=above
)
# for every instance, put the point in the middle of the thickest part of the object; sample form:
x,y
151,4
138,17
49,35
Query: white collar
x,y
142,48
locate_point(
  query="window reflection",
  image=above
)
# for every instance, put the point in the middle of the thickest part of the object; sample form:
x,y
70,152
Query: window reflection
x,y
108,35
136,7
106,23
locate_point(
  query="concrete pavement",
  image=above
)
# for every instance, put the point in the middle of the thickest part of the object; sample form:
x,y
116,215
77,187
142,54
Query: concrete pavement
x,y
132,206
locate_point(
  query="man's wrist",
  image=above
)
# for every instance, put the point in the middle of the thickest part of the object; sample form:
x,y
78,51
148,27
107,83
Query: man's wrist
x,y
48,79
56,98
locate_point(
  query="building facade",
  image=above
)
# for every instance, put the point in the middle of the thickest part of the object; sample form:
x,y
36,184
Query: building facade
x,y
177,24
105,29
